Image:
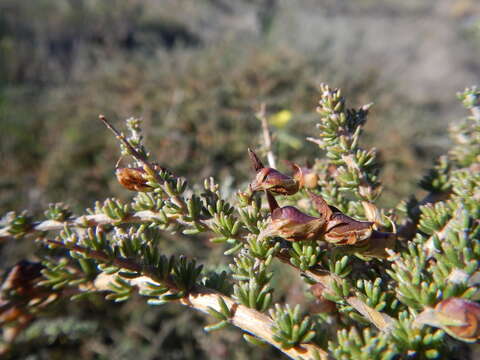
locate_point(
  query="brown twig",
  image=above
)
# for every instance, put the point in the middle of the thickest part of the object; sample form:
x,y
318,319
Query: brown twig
x,y
148,167
201,299
145,217
261,115
83,221
381,320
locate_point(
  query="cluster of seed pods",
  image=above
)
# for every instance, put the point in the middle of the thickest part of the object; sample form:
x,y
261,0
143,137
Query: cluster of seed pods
x,y
291,224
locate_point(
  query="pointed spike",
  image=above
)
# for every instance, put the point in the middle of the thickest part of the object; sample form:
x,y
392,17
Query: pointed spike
x,y
257,164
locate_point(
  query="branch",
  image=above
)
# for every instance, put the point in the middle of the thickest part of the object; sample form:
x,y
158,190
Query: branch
x,y
201,299
84,221
146,216
381,320
131,150
149,168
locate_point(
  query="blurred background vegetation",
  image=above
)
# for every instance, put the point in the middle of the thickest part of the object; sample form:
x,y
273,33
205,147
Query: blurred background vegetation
x,y
196,72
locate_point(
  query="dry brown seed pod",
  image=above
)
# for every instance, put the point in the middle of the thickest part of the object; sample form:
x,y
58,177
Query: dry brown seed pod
x,y
291,224
21,278
134,179
18,288
341,229
271,179
466,313
332,225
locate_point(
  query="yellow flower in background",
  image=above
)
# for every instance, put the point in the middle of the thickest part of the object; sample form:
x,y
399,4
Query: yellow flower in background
x,y
281,118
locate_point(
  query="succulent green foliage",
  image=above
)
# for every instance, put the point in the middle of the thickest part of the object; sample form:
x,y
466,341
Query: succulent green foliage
x,y
466,134
356,170
60,274
219,282
149,201
262,249
253,282
250,214
340,267
420,343
290,327
375,296
304,254
223,315
363,346
185,273
113,208
58,212
437,180
62,328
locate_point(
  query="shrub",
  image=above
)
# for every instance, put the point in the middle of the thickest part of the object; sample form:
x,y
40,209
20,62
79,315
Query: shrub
x,y
384,283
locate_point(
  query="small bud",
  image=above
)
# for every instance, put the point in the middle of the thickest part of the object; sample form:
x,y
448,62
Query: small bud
x,y
134,179
458,317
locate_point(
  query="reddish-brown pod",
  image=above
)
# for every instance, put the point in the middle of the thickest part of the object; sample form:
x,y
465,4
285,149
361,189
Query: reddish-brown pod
x,y
134,179
465,312
271,179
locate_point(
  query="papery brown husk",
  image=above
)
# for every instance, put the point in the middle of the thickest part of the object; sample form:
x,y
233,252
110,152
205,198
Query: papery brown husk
x,y
464,311
343,230
134,179
293,225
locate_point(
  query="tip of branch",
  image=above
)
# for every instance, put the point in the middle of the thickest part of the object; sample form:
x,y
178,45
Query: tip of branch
x,y
256,163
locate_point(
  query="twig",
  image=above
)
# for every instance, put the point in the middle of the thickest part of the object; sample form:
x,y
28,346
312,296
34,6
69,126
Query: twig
x,y
142,159
131,150
381,320
201,299
145,216
261,115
